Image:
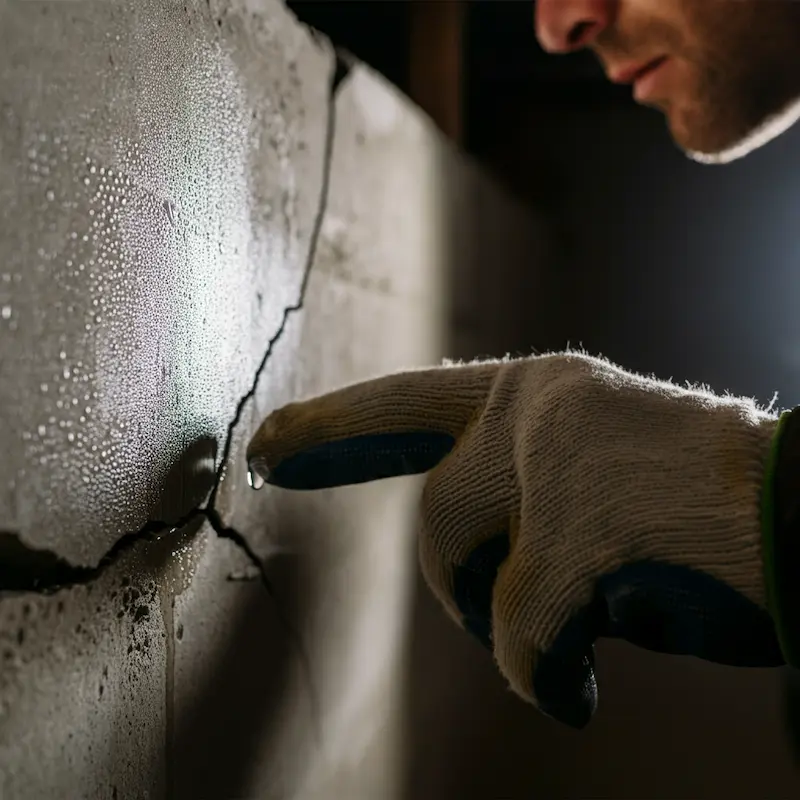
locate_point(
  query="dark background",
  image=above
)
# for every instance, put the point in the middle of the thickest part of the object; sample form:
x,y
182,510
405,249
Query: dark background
x,y
665,266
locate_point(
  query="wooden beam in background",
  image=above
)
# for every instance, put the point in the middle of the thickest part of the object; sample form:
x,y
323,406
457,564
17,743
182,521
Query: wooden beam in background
x,y
436,69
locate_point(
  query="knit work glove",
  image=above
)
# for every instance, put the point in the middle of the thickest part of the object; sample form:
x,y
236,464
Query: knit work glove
x,y
567,500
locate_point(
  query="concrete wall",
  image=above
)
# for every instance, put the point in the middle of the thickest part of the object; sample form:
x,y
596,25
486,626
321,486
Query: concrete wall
x,y
204,214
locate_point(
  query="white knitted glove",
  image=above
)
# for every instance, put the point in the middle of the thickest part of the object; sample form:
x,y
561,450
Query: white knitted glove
x,y
568,499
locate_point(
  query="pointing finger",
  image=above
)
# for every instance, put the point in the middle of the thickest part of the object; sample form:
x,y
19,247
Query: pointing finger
x,y
396,425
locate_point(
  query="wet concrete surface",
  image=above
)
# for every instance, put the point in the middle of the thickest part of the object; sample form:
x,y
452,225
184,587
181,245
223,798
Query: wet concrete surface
x,y
160,177
204,213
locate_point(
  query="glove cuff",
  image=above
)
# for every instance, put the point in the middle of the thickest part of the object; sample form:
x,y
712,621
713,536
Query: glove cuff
x,y
780,534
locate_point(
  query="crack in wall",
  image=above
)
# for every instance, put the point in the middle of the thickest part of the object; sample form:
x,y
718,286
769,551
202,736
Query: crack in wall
x,y
24,568
27,569
341,69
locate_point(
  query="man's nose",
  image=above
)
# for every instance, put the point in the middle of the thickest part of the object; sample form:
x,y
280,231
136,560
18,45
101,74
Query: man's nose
x,y
563,26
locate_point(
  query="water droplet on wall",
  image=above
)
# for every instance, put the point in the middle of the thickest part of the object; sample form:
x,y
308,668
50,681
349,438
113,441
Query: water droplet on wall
x,y
169,207
254,479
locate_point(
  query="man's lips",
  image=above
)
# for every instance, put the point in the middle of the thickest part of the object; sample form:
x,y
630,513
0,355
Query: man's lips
x,y
630,73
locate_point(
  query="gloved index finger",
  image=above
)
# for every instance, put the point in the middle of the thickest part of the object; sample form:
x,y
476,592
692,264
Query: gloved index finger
x,y
397,425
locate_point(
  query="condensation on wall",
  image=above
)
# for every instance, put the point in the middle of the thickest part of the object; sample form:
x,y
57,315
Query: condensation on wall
x,y
206,212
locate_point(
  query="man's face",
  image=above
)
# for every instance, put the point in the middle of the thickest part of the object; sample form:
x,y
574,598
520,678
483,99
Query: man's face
x,y
728,71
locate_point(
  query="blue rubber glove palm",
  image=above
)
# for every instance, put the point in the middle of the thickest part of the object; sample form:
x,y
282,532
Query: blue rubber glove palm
x,y
567,500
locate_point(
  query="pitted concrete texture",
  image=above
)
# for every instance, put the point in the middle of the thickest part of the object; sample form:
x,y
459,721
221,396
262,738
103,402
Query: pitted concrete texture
x,y
160,173
83,689
199,222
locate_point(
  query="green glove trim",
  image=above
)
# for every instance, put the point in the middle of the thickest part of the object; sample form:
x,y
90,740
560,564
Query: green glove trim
x,y
780,533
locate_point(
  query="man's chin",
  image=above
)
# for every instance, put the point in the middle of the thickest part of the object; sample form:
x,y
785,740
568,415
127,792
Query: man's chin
x,y
717,155
717,148
702,144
